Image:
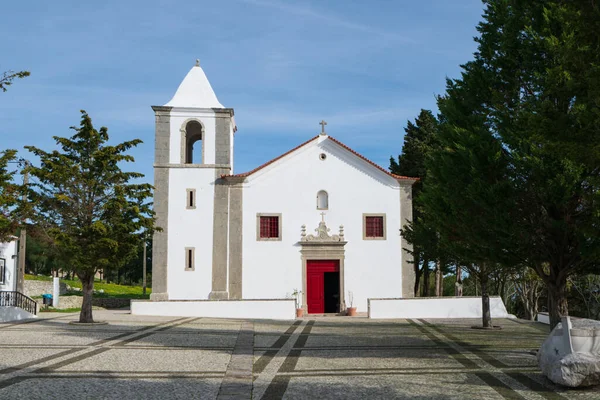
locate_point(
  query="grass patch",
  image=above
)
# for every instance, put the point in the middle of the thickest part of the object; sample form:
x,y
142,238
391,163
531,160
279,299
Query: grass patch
x,y
110,289
38,278
62,310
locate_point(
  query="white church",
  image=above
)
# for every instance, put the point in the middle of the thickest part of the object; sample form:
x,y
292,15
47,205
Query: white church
x,y
320,220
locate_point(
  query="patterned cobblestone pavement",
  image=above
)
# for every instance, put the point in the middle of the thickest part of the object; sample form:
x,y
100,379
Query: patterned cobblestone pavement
x,y
135,357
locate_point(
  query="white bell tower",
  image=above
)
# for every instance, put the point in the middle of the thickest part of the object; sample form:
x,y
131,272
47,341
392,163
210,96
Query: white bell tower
x,y
193,149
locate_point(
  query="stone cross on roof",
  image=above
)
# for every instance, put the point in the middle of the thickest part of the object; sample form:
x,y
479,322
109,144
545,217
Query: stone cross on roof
x,y
322,123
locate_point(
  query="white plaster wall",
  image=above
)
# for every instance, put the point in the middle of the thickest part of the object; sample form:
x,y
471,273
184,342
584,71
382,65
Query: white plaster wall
x,y
544,318
438,307
179,116
190,228
272,269
8,251
8,314
256,309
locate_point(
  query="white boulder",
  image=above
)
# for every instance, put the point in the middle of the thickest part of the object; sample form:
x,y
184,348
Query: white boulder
x,y
571,356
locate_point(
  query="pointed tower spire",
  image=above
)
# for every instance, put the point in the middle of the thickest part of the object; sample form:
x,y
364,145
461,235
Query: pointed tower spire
x,y
195,91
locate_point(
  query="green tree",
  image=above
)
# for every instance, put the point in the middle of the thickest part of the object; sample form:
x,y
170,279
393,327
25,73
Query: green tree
x,y
420,139
522,139
90,208
544,60
528,288
9,196
131,273
467,196
7,78
42,256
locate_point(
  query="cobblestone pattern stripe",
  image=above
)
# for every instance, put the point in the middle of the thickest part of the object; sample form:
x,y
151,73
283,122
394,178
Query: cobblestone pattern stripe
x,y
237,383
279,384
30,321
539,388
467,363
37,361
523,379
503,389
265,359
177,322
72,360
98,350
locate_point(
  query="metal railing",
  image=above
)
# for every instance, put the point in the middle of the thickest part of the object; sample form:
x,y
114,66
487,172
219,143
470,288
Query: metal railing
x,y
18,299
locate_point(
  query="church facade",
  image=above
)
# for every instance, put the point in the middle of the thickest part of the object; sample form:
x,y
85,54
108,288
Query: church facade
x,y
320,220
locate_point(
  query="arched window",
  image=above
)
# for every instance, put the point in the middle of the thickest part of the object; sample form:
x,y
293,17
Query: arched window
x,y
322,200
193,143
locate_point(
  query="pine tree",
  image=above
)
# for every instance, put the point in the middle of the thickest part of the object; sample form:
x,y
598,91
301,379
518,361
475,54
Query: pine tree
x,y
90,208
10,193
420,139
7,78
524,127
467,196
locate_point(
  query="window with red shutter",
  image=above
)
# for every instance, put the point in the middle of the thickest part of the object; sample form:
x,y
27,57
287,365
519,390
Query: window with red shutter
x,y
374,227
269,227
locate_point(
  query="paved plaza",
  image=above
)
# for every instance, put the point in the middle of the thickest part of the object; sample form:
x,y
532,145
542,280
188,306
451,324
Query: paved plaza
x,y
135,357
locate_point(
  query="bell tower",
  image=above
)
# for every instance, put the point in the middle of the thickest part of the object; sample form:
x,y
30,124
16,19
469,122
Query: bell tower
x,y
193,149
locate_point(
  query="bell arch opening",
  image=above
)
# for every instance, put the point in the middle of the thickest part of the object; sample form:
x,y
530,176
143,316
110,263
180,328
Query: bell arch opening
x,y
193,143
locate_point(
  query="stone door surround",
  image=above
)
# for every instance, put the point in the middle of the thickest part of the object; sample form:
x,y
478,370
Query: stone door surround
x,y
322,246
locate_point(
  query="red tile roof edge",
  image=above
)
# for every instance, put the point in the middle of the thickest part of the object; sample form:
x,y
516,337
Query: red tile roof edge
x,y
245,174
399,177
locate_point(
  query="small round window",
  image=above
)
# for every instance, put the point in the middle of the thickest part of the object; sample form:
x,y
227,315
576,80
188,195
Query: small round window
x,y
322,156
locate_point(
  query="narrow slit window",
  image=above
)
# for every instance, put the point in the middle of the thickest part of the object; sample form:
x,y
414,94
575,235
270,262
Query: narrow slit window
x,y
191,199
189,258
2,270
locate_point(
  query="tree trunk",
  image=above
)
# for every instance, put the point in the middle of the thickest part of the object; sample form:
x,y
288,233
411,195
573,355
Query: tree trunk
x,y
417,273
87,281
486,315
438,279
558,305
458,291
531,311
425,287
532,302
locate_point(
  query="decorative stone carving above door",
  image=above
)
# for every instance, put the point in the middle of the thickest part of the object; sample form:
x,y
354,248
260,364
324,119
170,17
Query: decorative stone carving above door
x,y
322,233
322,246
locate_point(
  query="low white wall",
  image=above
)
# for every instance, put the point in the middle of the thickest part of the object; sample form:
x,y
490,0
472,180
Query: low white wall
x,y
435,307
544,318
249,309
10,313
8,250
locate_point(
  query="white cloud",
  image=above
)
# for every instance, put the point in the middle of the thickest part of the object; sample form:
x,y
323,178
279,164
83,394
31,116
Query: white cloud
x,y
330,19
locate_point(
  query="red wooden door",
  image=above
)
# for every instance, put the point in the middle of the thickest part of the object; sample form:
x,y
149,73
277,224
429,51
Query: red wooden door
x,y
315,290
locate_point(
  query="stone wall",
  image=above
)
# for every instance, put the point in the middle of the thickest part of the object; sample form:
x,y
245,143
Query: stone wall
x,y
38,288
102,302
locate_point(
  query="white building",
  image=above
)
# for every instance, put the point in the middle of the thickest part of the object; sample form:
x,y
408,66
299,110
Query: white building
x,y
264,233
8,265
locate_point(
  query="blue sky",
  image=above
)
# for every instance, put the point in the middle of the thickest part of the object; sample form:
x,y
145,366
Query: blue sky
x,y
366,67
